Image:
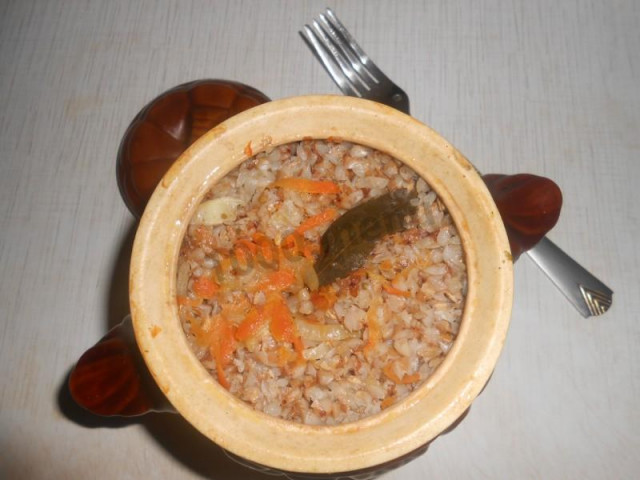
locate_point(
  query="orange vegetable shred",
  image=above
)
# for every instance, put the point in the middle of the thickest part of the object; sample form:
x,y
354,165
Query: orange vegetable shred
x,y
188,302
205,287
278,280
395,291
326,216
375,335
252,323
387,402
323,299
305,185
405,380
248,244
281,323
223,346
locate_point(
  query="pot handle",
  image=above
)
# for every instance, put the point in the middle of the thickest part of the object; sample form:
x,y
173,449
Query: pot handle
x,y
111,378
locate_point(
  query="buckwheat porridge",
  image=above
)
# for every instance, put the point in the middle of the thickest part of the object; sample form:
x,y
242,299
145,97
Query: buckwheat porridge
x,y
312,327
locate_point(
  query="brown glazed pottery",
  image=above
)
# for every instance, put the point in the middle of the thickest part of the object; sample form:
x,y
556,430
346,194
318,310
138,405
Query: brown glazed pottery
x,y
171,122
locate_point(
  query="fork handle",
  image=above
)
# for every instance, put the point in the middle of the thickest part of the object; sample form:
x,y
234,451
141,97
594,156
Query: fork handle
x,y
585,292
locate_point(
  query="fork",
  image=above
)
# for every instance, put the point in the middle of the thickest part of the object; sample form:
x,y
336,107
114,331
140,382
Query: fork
x,y
348,65
357,76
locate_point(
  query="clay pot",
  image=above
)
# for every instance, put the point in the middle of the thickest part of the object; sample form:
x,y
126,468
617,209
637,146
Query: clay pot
x,y
374,443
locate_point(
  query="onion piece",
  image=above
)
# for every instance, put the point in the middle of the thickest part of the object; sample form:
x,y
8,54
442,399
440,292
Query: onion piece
x,y
317,352
317,332
216,211
184,271
309,276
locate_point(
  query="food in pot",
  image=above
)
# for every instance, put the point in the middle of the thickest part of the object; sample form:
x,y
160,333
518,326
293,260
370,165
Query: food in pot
x,y
321,281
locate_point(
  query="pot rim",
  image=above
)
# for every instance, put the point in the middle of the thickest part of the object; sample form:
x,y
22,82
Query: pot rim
x,y
294,447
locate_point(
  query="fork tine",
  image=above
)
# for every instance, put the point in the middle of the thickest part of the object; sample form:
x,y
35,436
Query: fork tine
x,y
336,49
328,62
363,57
345,47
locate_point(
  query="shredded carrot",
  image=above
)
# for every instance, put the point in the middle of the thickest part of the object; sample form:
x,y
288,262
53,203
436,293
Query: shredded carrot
x,y
395,291
375,334
278,280
291,242
224,268
188,302
285,355
259,237
324,298
238,304
305,185
223,346
248,244
281,323
248,150
243,259
310,250
205,287
387,402
299,245
320,219
265,250
406,378
386,265
202,330
252,323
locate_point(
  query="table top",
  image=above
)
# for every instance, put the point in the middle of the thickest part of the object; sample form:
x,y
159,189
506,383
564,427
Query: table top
x,y
545,87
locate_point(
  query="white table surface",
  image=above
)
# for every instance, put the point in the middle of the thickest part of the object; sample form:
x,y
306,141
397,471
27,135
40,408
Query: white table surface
x,y
547,87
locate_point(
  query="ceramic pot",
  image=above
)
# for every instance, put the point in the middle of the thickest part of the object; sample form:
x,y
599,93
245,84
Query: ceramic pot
x,y
385,440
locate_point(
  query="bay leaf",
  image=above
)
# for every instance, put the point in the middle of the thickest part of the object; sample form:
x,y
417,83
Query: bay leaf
x,y
349,240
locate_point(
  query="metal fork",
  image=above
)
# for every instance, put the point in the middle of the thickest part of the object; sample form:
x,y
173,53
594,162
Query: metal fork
x,y
348,65
357,76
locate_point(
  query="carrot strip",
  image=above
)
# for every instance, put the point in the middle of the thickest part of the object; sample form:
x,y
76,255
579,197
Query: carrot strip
x,y
324,299
310,250
305,185
203,336
386,265
298,245
281,323
243,259
205,287
252,323
284,356
278,280
188,302
248,244
406,378
223,347
236,304
387,402
375,334
266,251
395,291
321,218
